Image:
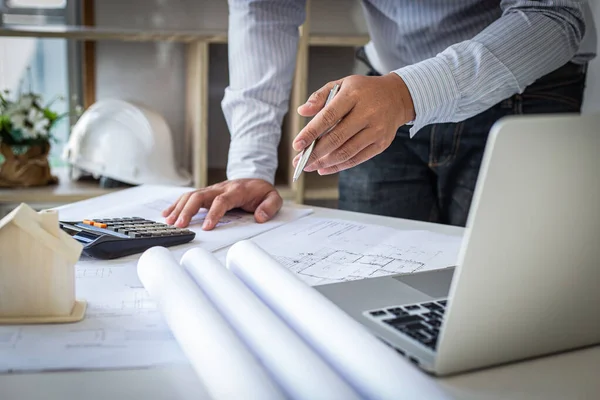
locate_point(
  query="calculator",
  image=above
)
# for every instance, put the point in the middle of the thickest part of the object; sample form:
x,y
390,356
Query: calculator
x,y
108,238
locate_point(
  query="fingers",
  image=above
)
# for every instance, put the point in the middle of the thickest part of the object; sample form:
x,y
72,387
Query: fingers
x,y
345,152
252,195
176,208
369,152
198,200
268,207
296,159
336,140
167,211
220,205
316,101
188,205
324,120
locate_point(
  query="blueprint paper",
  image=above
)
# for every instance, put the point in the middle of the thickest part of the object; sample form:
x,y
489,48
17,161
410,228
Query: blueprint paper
x,y
370,366
121,324
323,251
298,370
81,209
234,226
226,367
149,202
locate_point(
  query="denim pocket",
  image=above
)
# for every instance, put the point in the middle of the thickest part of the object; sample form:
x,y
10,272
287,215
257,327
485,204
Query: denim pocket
x,y
534,103
553,97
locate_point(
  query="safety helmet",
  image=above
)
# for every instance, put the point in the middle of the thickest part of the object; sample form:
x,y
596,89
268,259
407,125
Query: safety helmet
x,y
125,142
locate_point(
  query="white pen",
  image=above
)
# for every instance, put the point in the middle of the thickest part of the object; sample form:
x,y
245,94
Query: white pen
x,y
307,151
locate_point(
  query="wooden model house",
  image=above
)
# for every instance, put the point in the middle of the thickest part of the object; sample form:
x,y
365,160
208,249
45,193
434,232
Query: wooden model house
x,y
37,269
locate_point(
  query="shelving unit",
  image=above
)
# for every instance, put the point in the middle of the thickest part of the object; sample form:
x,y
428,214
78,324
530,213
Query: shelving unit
x,y
66,191
197,45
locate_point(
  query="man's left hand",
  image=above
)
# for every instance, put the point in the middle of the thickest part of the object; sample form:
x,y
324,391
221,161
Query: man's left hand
x,y
368,111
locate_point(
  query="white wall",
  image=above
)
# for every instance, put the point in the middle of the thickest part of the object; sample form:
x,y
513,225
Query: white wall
x,y
15,55
153,73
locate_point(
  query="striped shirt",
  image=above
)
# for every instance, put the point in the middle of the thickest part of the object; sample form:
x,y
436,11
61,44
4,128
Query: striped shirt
x,y
457,57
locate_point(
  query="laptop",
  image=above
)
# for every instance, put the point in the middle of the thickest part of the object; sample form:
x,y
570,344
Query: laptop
x,y
527,280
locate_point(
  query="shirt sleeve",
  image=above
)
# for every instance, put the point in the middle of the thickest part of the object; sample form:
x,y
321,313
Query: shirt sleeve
x,y
529,40
263,39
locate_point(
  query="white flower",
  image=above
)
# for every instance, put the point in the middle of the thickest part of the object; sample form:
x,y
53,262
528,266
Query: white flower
x,y
17,121
40,127
28,132
35,115
25,102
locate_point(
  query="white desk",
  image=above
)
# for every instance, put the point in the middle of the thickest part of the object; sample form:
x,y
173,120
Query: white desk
x,y
573,375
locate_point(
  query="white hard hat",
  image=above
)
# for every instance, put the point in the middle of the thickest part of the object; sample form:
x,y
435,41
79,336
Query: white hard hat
x,y
119,140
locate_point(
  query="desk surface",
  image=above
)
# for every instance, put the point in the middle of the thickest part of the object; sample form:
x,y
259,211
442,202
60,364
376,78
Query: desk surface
x,y
572,375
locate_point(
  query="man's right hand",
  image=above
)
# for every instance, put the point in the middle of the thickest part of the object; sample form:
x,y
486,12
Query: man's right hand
x,y
252,195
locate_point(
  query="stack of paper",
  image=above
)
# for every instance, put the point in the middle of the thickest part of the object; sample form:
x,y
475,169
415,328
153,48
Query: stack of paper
x,y
149,202
122,322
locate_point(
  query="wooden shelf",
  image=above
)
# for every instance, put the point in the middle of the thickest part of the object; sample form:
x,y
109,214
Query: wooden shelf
x,y
311,186
66,191
140,35
94,34
320,39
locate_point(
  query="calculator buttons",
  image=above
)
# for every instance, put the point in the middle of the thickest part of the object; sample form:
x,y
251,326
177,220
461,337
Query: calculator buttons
x,y
135,227
108,238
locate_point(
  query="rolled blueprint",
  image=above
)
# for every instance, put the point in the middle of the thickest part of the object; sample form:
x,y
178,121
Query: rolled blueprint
x,y
298,370
222,362
370,366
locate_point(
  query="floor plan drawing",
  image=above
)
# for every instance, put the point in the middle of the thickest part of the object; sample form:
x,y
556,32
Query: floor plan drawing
x,y
323,251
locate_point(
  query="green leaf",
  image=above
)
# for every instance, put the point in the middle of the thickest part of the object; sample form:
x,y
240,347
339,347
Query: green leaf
x,y
4,122
51,115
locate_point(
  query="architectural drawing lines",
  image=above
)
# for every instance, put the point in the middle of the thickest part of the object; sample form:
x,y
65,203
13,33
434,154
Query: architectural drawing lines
x,y
93,272
331,265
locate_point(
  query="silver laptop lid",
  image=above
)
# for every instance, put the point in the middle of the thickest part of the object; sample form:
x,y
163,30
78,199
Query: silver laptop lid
x,y
528,280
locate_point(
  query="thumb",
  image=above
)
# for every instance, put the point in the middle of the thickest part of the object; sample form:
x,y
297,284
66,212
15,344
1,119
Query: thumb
x,y
316,101
268,207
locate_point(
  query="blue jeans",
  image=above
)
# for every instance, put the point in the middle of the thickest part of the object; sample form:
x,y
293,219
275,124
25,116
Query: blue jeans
x,y
432,176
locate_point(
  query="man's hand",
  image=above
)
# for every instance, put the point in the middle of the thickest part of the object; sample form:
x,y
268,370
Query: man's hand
x,y
252,195
369,111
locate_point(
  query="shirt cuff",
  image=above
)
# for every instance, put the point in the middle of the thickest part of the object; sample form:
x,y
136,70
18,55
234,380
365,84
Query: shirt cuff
x,y
233,174
433,90
252,160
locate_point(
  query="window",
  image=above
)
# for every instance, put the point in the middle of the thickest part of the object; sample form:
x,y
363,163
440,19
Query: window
x,y
34,12
46,66
36,4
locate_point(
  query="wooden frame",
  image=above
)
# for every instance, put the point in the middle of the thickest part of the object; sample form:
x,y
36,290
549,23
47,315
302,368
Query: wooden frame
x,y
89,56
298,97
196,137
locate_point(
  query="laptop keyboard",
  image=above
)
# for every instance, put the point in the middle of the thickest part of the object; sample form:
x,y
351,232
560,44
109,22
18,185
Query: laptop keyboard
x,y
420,321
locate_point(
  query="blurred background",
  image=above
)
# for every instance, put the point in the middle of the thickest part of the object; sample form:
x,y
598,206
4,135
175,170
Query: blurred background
x,y
169,56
